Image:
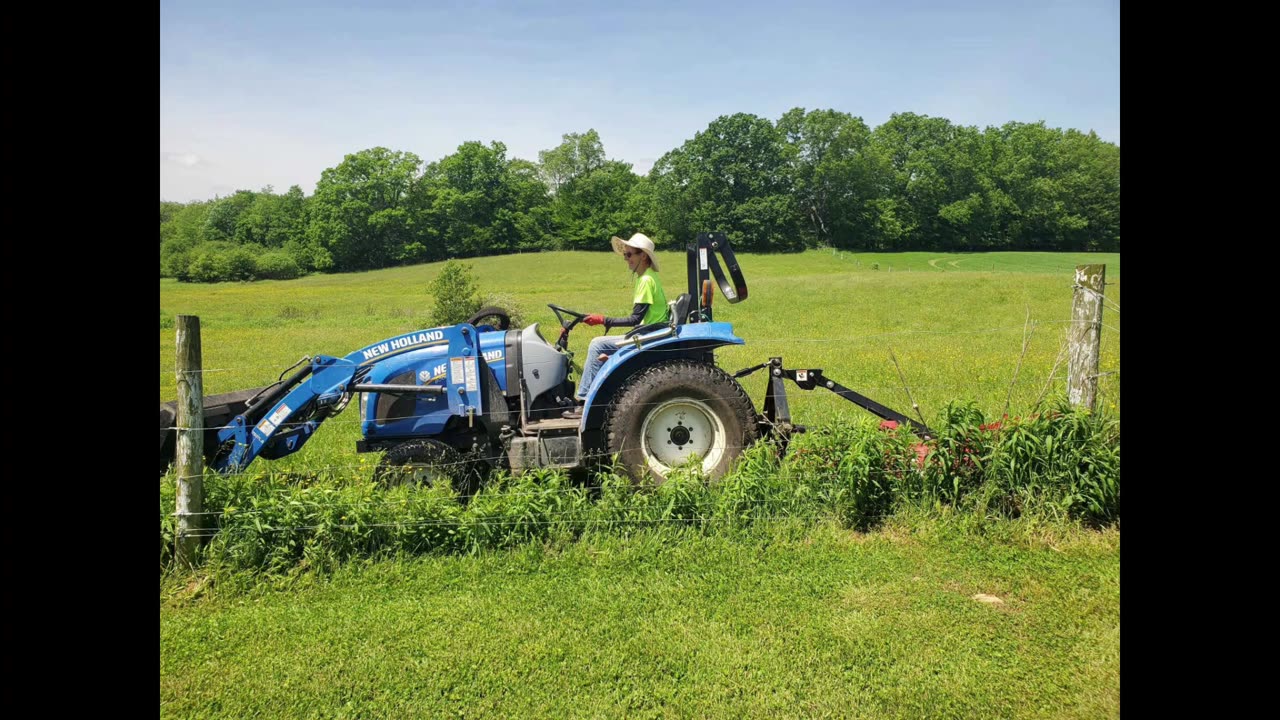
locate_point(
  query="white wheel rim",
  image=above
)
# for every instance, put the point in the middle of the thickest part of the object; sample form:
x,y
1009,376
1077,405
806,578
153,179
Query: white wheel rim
x,y
678,429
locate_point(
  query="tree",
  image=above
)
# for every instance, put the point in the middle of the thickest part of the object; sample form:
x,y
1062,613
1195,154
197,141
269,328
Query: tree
x,y
937,182
476,202
167,212
224,215
592,206
360,213
838,177
183,232
576,155
731,177
272,220
1035,168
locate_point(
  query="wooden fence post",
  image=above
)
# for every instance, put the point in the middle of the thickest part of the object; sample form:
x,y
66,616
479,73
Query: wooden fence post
x,y
1086,335
190,441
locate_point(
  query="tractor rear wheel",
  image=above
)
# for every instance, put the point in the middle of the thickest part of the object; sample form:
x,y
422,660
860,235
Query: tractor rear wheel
x,y
427,462
669,412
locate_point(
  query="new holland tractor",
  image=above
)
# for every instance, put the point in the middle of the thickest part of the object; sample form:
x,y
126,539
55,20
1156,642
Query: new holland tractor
x,y
450,403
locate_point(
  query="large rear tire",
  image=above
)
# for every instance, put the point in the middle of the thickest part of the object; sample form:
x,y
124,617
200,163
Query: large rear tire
x,y
674,410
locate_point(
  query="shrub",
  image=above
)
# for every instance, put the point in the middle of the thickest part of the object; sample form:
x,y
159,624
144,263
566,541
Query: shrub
x,y
456,295
241,263
278,265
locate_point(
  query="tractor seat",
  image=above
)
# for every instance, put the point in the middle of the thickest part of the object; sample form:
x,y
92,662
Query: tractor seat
x,y
677,310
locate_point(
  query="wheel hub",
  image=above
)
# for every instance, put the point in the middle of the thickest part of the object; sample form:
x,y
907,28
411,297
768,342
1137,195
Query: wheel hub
x,y
679,435
679,429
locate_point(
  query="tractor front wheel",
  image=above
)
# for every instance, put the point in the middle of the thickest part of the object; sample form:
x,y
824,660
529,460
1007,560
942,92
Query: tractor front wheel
x,y
673,411
427,462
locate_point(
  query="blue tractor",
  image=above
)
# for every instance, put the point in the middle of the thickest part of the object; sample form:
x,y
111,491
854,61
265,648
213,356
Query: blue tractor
x,y
448,404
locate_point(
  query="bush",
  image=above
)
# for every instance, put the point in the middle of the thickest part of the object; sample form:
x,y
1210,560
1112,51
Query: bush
x,y
1064,462
456,295
208,265
175,258
221,262
514,309
278,265
241,263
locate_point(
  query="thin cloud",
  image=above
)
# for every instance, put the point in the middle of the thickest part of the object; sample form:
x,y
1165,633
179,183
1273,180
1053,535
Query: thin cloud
x,y
184,159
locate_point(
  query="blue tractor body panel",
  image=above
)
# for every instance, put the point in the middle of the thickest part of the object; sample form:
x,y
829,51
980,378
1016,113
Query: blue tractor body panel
x,y
687,339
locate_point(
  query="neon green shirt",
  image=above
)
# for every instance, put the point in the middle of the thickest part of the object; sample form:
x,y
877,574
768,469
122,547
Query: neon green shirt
x,y
649,290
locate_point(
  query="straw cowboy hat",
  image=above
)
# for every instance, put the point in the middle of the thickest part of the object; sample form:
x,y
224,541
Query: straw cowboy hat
x,y
640,242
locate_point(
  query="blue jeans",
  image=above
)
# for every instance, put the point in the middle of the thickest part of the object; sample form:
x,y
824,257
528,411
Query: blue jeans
x,y
605,344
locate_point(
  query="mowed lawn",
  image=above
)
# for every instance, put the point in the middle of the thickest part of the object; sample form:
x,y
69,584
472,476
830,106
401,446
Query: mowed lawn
x,y
925,619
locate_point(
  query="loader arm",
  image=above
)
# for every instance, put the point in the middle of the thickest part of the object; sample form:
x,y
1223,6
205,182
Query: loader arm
x,y
282,421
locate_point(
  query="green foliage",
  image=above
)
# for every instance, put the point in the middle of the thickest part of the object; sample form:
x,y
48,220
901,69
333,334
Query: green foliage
x,y
731,177
223,261
958,459
838,175
242,262
815,178
223,218
477,202
361,213
577,155
592,206
181,231
1062,465
278,265
456,294
1061,462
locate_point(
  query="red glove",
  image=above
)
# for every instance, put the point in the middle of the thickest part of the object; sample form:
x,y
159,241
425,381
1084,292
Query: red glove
x,y
593,319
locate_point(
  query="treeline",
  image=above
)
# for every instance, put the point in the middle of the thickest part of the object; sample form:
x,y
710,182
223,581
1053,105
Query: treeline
x,y
812,179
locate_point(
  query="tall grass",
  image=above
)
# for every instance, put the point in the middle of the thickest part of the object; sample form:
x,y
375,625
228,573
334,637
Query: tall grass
x,y
1062,464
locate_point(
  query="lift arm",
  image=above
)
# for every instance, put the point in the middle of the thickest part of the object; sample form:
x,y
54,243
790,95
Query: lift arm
x,y
777,412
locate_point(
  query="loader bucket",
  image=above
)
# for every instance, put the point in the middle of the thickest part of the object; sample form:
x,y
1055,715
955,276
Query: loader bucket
x,y
218,411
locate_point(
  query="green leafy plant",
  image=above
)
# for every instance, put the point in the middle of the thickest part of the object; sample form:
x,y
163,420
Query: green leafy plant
x,y
456,294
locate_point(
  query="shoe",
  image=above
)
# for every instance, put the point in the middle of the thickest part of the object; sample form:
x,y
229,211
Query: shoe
x,y
574,414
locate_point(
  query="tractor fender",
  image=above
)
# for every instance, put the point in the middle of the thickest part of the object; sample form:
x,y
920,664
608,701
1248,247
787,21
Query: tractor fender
x,y
694,341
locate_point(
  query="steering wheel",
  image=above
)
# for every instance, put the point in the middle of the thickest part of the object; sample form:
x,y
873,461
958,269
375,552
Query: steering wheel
x,y
566,325
561,312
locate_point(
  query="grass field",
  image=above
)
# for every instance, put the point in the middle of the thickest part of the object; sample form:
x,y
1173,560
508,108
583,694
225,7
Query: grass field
x,y
955,324
820,622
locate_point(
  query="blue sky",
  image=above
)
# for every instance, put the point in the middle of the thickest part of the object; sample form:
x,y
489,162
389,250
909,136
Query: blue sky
x,y
272,93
